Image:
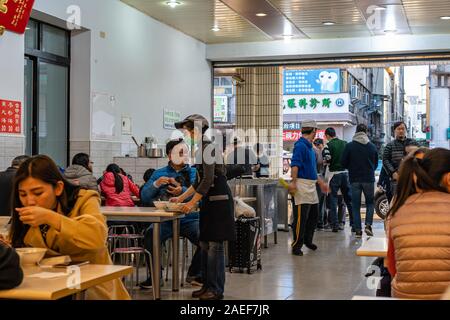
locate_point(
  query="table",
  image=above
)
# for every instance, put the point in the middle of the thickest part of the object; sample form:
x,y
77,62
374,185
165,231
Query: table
x,y
372,298
155,216
57,288
373,247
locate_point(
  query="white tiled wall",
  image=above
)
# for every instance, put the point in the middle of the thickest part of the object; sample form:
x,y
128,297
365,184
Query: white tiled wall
x,y
136,167
10,147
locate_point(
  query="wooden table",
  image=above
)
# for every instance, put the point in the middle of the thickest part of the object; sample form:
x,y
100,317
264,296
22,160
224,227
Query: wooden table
x,y
372,298
152,215
373,247
57,288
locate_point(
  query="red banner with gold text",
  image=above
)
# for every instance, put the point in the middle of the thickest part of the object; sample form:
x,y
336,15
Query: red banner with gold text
x,y
14,14
10,117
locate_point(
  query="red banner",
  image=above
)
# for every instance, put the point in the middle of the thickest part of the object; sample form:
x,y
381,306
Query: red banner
x,y
294,135
10,117
14,14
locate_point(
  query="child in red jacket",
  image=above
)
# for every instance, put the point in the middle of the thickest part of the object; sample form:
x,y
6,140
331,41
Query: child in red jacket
x,y
117,188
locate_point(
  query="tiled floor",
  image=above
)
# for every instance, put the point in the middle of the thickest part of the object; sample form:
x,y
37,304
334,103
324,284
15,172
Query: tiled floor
x,y
332,272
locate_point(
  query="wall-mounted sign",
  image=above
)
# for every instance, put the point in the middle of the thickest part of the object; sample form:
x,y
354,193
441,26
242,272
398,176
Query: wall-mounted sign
x,y
220,109
292,126
294,135
311,81
318,103
14,15
170,118
10,117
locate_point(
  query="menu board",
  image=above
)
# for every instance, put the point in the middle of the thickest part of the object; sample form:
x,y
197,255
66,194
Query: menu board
x,y
220,109
10,117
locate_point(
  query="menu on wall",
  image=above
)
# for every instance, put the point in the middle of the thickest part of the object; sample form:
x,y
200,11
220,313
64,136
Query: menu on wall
x,y
10,117
14,15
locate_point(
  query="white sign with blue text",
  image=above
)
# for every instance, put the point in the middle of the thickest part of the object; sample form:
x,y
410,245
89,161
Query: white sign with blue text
x,y
311,81
316,103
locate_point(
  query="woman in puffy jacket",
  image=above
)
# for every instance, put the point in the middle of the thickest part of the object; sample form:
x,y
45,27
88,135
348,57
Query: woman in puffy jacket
x,y
419,228
117,188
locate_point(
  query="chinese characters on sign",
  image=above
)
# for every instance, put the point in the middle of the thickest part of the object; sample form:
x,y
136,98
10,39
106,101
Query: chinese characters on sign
x,y
321,103
220,109
170,118
10,117
311,81
294,135
291,126
14,14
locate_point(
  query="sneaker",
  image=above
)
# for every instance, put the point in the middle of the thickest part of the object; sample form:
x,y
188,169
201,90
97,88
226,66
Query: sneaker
x,y
319,227
358,234
335,229
297,252
341,226
311,246
369,231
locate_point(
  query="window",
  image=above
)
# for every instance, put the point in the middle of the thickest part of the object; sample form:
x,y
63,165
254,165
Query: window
x,y
46,98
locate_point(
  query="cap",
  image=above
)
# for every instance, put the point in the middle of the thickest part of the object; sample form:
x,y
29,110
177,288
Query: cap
x,y
193,118
309,124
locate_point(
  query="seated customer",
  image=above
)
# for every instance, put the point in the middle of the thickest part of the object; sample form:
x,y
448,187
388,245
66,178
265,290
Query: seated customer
x,y
52,213
172,181
11,274
418,226
80,172
6,185
117,188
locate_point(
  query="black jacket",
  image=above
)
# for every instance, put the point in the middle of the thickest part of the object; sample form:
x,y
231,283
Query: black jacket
x,y
11,274
6,187
361,160
393,155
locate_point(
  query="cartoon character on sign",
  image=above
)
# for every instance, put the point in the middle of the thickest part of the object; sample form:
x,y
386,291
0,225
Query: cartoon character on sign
x,y
327,81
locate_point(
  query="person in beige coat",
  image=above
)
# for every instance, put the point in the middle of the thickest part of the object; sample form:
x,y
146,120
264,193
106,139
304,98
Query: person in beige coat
x,y
419,228
51,213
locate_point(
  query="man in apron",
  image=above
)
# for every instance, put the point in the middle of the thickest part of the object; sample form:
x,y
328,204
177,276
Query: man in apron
x,y
303,187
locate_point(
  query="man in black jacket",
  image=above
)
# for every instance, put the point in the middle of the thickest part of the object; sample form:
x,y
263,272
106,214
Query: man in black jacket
x,y
394,153
6,185
360,157
11,274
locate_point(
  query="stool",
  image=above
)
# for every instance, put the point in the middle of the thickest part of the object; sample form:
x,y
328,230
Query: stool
x,y
132,257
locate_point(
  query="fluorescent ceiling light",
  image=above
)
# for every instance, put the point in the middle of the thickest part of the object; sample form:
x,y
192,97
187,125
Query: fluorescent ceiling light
x,y
445,18
215,29
173,3
390,31
380,9
261,14
328,23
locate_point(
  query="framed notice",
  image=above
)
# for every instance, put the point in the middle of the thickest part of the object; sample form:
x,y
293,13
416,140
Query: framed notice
x,y
170,118
10,117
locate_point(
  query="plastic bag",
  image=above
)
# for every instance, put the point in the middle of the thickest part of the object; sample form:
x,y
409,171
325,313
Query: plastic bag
x,y
243,209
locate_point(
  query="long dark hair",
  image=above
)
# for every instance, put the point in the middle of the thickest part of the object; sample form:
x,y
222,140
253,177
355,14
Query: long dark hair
x,y
428,171
43,168
115,170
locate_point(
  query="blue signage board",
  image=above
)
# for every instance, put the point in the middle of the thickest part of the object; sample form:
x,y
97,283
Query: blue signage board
x,y
311,81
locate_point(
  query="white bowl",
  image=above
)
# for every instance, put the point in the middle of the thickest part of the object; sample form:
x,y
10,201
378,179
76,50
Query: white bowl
x,y
30,256
160,205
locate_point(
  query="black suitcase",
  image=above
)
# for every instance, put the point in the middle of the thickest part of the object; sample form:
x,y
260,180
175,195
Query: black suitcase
x,y
245,252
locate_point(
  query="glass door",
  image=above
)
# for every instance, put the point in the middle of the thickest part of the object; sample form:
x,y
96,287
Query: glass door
x,y
28,106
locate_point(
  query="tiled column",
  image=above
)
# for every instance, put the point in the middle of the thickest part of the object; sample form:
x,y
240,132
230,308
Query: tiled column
x,y
10,147
259,108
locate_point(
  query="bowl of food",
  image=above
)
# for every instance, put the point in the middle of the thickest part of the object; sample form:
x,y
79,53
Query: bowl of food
x,y
161,205
174,207
30,256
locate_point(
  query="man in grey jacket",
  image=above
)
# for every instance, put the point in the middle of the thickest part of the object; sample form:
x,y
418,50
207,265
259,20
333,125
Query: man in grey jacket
x,y
80,172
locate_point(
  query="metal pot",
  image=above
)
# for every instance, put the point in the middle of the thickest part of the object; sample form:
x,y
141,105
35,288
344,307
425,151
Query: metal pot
x,y
142,151
155,153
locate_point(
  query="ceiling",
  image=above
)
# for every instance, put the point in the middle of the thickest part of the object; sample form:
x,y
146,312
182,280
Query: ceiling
x,y
237,19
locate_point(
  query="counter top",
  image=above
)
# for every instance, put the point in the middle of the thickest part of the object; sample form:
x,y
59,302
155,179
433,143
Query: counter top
x,y
253,182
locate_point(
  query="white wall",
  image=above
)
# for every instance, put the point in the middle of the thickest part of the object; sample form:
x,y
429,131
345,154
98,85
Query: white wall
x,y
296,49
439,117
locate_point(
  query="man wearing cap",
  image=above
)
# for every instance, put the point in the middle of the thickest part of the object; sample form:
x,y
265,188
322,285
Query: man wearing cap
x,y
303,187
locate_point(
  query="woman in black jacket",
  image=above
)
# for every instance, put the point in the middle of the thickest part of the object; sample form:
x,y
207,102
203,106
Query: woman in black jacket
x,y
216,208
11,274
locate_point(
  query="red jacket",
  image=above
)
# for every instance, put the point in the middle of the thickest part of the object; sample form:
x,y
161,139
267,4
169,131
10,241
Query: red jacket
x,y
122,199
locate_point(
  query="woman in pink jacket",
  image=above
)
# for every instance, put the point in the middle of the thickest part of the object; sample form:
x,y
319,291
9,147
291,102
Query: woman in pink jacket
x,y
117,188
